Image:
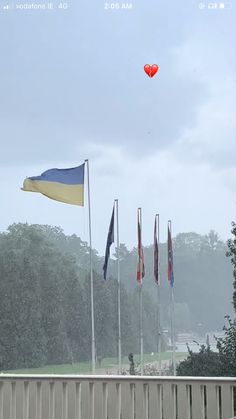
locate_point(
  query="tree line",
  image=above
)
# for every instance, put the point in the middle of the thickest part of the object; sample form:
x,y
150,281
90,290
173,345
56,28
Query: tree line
x,y
45,295
45,302
223,362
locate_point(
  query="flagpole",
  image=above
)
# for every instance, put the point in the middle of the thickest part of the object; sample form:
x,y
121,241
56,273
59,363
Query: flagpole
x,y
172,303
118,285
173,329
159,296
91,273
141,293
141,326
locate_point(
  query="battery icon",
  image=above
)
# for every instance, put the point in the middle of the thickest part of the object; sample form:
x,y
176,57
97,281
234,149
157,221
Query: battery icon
x,y
228,6
225,5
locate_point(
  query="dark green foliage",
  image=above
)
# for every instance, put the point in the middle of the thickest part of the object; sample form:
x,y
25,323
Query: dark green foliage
x,y
45,295
227,350
204,363
232,254
209,363
223,363
45,302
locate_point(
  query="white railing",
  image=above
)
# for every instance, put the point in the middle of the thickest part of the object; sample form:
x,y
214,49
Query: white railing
x,y
115,397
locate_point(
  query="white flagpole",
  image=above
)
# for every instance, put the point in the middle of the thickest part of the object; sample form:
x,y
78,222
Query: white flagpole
x,y
159,296
172,302
91,274
173,329
118,285
140,292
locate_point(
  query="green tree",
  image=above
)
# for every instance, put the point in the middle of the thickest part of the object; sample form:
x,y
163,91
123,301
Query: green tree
x,y
232,254
227,349
203,363
45,290
207,362
32,284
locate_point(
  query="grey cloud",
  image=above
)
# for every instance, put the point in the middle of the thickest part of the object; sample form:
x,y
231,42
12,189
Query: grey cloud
x,y
74,79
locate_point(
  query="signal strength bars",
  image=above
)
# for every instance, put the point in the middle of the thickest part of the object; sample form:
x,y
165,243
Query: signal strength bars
x,y
8,6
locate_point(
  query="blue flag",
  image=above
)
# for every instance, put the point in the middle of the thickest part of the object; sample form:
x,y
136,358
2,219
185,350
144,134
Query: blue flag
x,y
156,254
110,240
170,259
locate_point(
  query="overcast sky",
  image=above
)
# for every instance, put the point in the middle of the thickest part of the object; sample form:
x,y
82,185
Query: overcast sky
x,y
72,87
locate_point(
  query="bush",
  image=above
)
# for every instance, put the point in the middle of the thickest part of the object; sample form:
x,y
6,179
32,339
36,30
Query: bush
x,y
227,350
205,363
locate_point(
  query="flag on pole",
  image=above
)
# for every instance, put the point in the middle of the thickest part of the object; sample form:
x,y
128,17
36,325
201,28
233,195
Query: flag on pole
x,y
140,266
64,185
156,254
170,259
110,240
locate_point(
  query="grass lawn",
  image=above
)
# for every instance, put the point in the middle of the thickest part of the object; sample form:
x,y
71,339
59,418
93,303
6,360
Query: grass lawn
x,y
85,367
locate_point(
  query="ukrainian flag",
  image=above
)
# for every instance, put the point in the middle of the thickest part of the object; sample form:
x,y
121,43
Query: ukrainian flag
x,y
64,185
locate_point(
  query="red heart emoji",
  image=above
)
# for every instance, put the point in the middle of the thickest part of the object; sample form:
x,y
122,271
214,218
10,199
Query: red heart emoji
x,y
151,70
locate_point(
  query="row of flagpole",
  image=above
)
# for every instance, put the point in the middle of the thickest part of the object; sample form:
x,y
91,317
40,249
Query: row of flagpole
x,y
140,276
49,185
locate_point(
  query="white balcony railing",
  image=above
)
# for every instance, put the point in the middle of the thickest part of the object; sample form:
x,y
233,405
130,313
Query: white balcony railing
x,y
115,397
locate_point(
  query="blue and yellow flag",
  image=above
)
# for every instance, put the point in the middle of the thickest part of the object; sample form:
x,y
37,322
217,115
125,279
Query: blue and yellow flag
x,y
64,185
